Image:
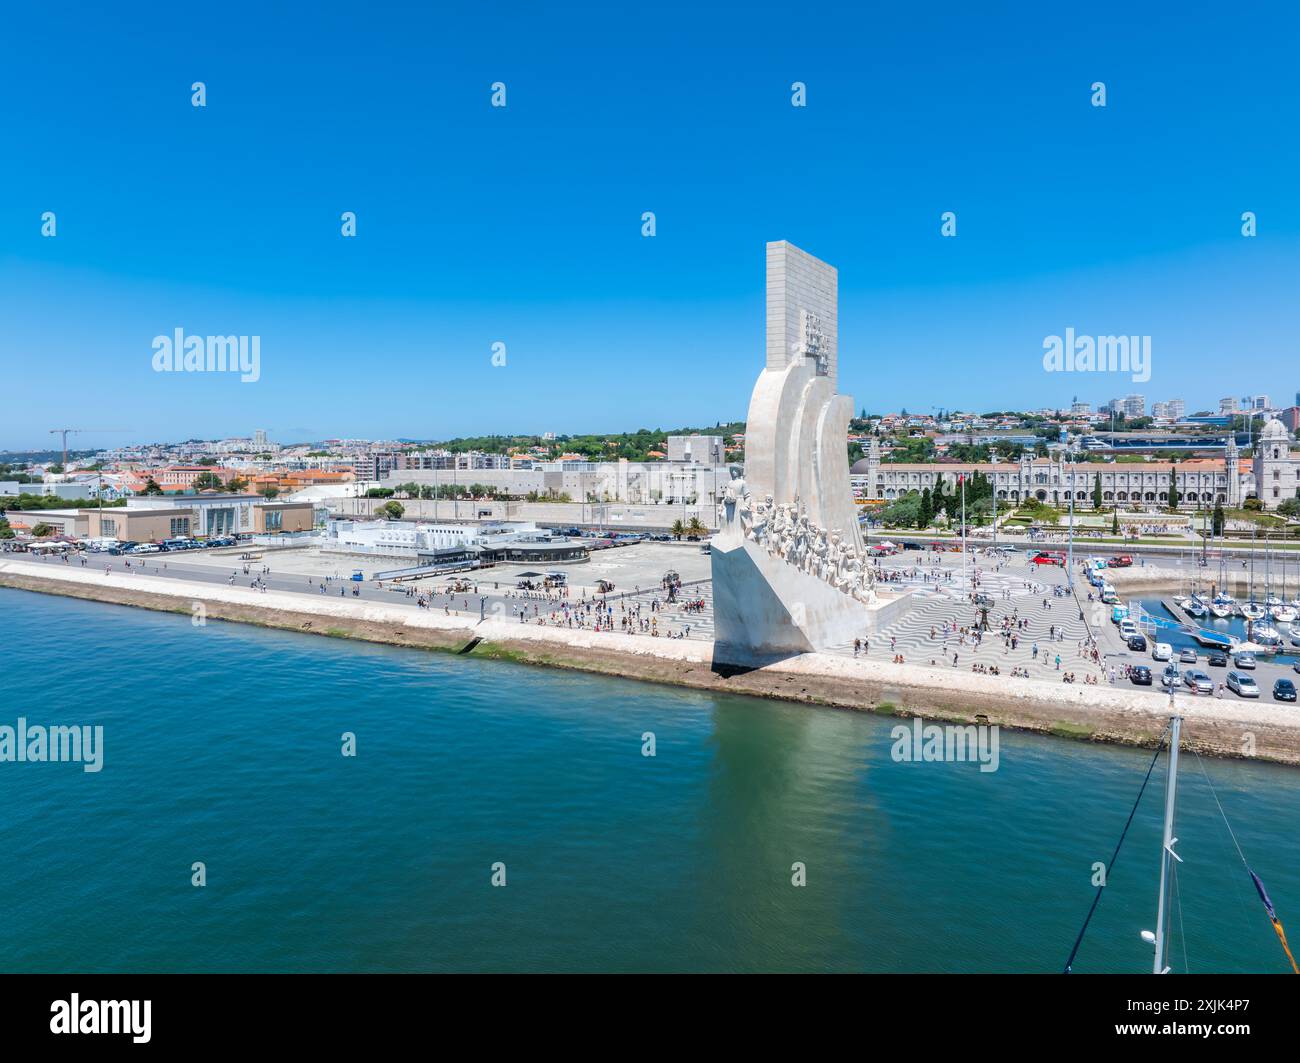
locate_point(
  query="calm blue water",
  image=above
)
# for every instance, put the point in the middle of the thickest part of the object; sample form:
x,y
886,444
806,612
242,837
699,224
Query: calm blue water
x,y
1165,609
222,744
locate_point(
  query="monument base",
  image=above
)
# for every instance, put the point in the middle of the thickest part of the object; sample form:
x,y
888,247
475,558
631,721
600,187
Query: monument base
x,y
764,608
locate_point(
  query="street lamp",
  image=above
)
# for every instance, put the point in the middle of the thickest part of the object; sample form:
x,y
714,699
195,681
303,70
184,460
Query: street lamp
x,y
1069,564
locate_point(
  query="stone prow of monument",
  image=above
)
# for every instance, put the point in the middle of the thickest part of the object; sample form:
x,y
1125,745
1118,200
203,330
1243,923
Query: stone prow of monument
x,y
790,572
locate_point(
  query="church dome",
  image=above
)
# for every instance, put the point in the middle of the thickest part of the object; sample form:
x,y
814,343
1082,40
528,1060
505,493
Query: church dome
x,y
1274,430
861,467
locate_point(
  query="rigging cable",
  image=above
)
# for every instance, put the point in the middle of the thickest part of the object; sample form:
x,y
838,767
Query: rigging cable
x,y
1259,885
1069,964
1178,907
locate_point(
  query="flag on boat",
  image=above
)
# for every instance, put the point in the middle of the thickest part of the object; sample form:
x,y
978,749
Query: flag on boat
x,y
1272,918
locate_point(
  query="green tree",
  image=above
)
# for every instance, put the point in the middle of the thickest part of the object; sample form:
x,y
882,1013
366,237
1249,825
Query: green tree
x,y
902,512
151,487
392,509
925,512
678,529
1114,522
696,527
42,530
207,481
938,501
269,492
1216,521
1173,487
1096,491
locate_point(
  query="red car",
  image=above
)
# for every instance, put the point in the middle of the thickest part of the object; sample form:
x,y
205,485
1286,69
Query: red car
x,y
1123,561
1050,559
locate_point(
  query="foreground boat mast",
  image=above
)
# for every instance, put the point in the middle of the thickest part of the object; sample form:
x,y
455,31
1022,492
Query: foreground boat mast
x,y
1167,849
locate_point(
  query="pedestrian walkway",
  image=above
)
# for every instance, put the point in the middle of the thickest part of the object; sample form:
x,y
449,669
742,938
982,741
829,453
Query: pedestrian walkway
x,y
674,616
1044,621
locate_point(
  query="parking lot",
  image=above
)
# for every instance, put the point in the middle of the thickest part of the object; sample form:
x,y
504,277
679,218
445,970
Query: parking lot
x,y
1215,664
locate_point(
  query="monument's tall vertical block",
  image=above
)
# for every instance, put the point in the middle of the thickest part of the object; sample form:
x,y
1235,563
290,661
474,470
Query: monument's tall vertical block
x,y
796,437
789,570
802,292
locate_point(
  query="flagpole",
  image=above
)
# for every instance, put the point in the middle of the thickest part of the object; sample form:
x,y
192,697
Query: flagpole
x,y
1069,569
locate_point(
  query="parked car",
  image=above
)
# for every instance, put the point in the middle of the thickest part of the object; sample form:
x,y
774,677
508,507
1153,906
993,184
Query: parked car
x,y
1198,681
1171,676
1162,651
1217,658
1123,561
1242,685
1245,659
1137,642
1187,656
1284,690
1140,675
1127,629
1049,559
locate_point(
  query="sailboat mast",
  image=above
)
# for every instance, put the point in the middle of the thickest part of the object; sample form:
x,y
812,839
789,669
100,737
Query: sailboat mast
x,y
1167,849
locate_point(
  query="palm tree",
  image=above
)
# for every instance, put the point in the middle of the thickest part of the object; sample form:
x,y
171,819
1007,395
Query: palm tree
x,y
696,527
678,529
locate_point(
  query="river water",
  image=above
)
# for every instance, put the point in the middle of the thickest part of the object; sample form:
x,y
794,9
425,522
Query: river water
x,y
223,745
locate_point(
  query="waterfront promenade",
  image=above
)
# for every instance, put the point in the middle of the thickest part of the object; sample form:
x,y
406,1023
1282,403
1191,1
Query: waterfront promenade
x,y
1128,715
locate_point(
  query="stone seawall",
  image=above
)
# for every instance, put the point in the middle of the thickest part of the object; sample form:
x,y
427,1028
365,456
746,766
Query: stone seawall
x,y
1128,716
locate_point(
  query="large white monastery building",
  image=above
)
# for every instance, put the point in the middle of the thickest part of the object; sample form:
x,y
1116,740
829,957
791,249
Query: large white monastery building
x,y
1273,476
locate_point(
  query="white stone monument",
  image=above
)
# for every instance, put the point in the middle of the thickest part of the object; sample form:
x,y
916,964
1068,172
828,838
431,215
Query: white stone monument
x,y
790,573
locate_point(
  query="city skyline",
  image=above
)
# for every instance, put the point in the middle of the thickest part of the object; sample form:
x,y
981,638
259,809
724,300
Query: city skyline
x,y
522,225
1133,405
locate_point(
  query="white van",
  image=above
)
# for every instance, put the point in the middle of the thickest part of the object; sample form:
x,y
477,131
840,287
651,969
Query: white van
x,y
1162,651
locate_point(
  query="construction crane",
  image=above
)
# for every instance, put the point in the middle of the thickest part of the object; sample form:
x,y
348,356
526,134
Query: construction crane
x,y
64,432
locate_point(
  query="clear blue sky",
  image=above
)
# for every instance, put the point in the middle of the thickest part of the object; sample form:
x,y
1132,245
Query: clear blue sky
x,y
522,224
